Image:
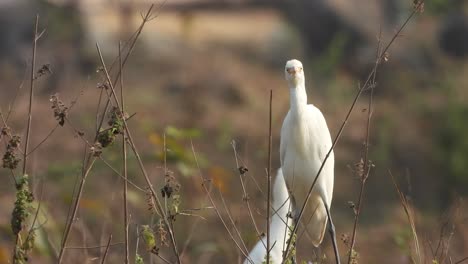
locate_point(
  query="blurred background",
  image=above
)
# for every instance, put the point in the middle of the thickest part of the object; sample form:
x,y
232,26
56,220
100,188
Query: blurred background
x,y
202,71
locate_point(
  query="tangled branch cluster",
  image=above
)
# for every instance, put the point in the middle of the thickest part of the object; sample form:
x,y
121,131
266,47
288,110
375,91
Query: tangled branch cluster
x,y
59,108
21,211
44,70
10,158
171,191
24,198
116,122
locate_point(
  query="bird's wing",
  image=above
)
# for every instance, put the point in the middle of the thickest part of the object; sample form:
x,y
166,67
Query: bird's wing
x,y
322,144
319,130
316,221
322,135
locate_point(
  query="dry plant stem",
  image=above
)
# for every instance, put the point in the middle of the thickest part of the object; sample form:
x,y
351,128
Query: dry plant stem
x,y
233,223
165,168
163,259
410,215
37,211
208,193
140,162
97,111
87,165
75,184
28,127
43,140
146,18
90,162
340,131
76,132
366,168
189,237
121,176
441,244
246,198
462,260
107,250
137,241
124,160
31,95
269,181
96,247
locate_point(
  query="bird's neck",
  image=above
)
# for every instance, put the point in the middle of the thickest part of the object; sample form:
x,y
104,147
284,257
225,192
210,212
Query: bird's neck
x,y
297,98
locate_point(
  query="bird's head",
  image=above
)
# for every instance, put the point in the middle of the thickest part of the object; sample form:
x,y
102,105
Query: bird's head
x,y
294,73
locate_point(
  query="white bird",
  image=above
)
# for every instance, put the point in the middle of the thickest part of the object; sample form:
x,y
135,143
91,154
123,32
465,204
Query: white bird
x,y
305,142
280,226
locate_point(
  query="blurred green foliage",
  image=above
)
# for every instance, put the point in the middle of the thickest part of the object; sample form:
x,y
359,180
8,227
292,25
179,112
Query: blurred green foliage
x,y
438,7
63,21
148,237
402,238
327,63
452,143
138,259
178,148
58,171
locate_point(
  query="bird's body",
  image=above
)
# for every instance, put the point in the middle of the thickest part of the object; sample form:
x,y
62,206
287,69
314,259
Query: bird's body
x,y
279,226
303,148
305,142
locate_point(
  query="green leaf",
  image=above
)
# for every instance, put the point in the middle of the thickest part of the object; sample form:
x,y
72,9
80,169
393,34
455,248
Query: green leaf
x,y
138,259
148,236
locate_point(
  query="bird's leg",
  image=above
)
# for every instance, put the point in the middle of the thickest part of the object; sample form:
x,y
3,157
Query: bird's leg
x,y
331,229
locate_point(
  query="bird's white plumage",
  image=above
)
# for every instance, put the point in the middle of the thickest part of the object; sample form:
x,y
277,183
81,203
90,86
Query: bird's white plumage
x,y
279,233
305,141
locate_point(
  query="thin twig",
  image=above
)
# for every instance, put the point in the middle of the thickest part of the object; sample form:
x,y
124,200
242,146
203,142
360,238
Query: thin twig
x,y
90,159
137,241
90,162
98,124
461,260
96,247
366,168
28,127
107,249
140,162
192,230
269,180
120,175
163,259
340,131
189,237
204,181
146,18
43,140
246,197
75,184
124,158
410,215
31,96
233,223
31,229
